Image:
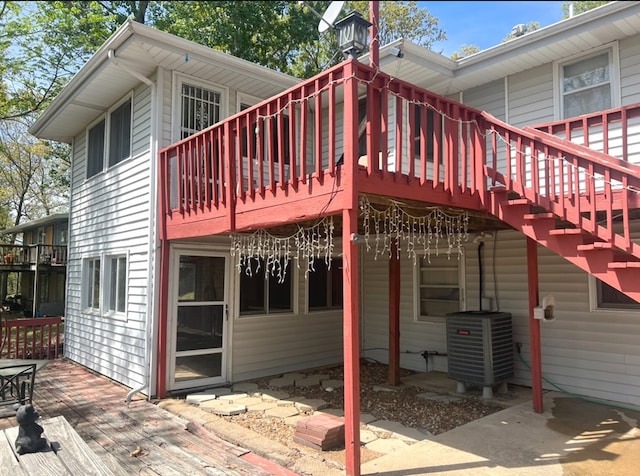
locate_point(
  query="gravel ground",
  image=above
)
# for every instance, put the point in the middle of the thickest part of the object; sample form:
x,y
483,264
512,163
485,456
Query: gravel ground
x,y
401,405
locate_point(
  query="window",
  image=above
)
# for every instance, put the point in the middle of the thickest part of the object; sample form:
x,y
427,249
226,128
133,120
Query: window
x,y
117,289
117,127
324,285
200,108
430,135
610,298
95,149
120,134
92,280
439,290
265,293
586,85
106,285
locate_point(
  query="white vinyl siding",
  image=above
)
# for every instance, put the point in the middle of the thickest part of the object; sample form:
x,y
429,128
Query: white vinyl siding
x,y
107,216
530,96
285,342
592,353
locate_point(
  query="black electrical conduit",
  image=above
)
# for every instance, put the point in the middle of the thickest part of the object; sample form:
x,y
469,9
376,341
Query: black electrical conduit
x,y
425,353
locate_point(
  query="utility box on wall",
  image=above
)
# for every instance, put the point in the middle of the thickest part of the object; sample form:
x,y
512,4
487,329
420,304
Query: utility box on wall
x,y
480,349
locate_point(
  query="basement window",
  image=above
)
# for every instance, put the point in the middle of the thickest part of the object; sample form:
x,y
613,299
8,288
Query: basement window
x,y
324,285
609,298
438,286
265,293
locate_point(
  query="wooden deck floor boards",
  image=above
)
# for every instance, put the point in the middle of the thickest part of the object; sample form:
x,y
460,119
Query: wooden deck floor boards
x,y
95,407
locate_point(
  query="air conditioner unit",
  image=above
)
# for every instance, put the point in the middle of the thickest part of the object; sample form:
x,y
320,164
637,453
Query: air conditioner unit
x,y
480,349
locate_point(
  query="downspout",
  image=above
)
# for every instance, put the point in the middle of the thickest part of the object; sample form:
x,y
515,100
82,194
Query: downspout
x,y
148,362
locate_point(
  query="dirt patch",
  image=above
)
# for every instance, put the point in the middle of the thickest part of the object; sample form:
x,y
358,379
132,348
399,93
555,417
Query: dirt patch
x,y
399,404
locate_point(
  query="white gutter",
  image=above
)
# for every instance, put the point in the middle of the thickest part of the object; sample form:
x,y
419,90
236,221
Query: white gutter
x,y
153,146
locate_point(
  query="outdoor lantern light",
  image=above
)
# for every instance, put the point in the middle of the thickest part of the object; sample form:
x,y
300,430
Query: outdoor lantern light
x,y
353,31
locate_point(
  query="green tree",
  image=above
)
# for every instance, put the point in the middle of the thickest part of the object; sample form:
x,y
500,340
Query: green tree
x,y
403,20
464,51
580,7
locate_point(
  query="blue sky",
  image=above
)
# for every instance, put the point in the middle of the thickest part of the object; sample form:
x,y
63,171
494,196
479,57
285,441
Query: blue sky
x,y
485,24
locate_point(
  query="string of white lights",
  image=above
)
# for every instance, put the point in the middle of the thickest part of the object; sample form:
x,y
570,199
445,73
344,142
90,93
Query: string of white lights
x,y
262,248
420,235
483,132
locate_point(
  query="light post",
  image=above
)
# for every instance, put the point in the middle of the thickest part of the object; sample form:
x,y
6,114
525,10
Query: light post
x,y
352,34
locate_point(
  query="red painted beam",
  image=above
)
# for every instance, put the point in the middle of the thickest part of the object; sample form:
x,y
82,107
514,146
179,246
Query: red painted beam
x,y
534,326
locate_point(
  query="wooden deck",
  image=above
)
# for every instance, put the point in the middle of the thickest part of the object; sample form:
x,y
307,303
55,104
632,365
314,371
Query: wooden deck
x,y
139,439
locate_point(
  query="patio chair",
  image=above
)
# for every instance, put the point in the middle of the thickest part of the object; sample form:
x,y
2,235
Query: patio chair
x,y
16,384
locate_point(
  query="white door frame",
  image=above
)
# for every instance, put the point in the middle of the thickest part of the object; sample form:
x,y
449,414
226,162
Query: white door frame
x,y
172,312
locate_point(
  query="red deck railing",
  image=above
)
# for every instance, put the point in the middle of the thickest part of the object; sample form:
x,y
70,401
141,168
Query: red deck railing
x,y
39,338
615,131
286,151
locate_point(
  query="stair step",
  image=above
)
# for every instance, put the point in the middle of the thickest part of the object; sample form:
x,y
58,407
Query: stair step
x,y
624,265
598,245
518,201
566,231
538,216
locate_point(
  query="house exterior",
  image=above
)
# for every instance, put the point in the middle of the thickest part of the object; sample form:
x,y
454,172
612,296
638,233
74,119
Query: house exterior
x,y
34,267
504,182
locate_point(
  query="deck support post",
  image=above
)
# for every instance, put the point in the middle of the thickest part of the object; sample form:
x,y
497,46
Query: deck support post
x,y
351,337
350,270
534,326
394,315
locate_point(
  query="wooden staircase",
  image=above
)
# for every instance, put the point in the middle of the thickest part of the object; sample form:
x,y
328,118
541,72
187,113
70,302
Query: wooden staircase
x,y
576,201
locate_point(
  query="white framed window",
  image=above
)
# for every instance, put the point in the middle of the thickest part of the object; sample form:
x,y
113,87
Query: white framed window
x,y
110,137
92,278
197,105
606,298
105,290
438,286
116,288
324,285
588,83
266,293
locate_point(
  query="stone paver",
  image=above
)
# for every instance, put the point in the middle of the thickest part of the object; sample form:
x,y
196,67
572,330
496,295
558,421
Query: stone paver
x,y
233,397
249,401
367,436
293,420
246,387
281,412
332,383
198,398
309,404
398,431
387,388
386,445
289,402
438,397
270,395
334,411
367,418
282,382
311,380
261,407
221,407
